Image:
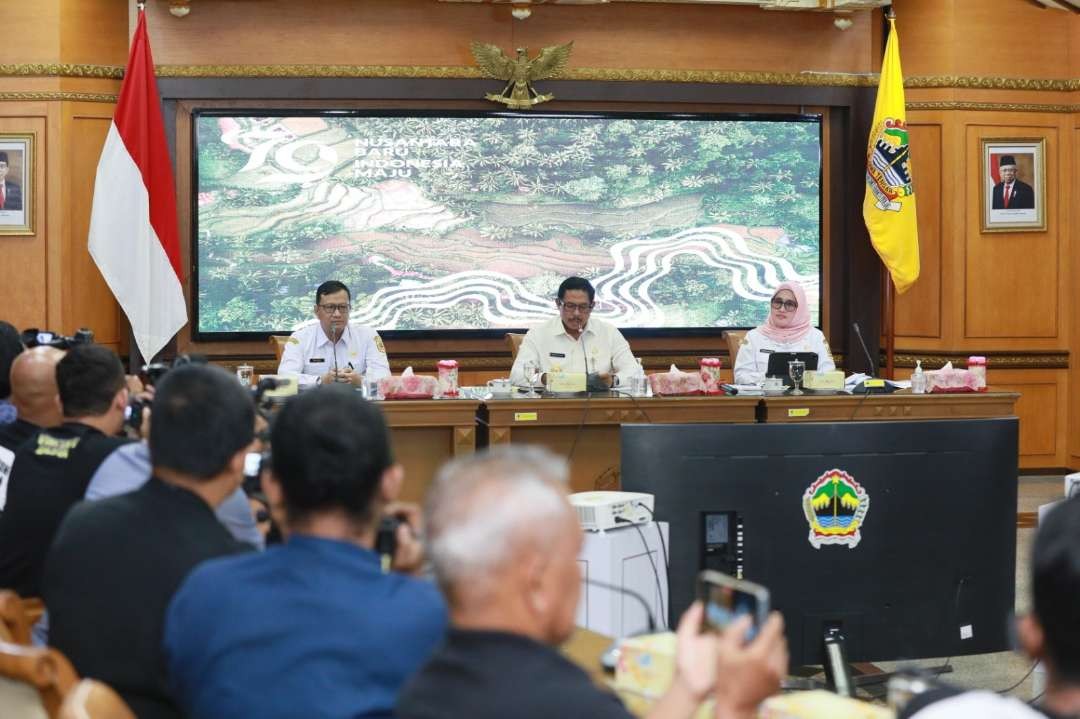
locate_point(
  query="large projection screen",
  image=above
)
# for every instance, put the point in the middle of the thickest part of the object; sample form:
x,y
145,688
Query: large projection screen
x,y
465,223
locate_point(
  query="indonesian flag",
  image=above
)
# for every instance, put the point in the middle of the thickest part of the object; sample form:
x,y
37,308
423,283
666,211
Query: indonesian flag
x,y
133,235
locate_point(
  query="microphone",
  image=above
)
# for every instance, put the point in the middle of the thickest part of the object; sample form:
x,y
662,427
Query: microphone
x,y
865,350
861,388
333,345
592,381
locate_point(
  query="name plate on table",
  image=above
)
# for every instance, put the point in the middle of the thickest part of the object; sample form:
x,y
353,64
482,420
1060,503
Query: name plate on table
x,y
566,382
833,380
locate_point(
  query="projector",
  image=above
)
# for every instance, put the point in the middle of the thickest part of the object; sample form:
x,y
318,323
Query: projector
x,y
601,511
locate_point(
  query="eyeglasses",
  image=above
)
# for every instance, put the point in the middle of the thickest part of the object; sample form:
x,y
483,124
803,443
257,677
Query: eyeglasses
x,y
333,309
789,305
574,307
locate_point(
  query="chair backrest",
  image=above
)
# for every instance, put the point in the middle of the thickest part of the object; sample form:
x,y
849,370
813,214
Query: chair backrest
x,y
279,342
733,338
14,622
46,670
91,699
513,341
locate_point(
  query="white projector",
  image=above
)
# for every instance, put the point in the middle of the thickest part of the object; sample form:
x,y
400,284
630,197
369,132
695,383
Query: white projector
x,y
601,511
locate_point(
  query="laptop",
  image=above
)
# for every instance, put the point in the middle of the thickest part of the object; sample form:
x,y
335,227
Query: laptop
x,y
778,364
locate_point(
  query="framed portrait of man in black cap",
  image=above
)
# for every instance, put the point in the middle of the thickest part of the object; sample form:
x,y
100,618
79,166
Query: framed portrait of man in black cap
x,y
1014,185
16,184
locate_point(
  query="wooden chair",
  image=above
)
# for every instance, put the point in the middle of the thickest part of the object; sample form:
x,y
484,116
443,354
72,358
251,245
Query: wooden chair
x,y
733,338
14,622
279,342
45,670
513,341
91,699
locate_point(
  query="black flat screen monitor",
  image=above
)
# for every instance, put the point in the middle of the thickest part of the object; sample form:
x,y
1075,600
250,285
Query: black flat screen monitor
x,y
903,534
778,364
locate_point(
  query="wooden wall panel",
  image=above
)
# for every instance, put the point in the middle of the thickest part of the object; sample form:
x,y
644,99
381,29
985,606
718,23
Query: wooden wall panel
x,y
984,37
87,299
918,311
88,31
30,31
1043,412
23,296
1011,279
425,32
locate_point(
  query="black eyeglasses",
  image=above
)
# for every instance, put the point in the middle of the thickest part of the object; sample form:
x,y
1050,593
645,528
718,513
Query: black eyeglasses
x,y
331,309
789,305
574,307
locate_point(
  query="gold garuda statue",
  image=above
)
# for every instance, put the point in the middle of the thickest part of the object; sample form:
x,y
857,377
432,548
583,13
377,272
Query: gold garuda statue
x,y
520,72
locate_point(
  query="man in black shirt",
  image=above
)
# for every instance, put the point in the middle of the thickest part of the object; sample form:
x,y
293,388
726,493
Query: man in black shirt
x,y
117,562
34,397
511,578
51,470
1050,633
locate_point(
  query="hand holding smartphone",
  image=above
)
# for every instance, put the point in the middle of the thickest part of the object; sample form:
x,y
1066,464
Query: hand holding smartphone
x,y
726,599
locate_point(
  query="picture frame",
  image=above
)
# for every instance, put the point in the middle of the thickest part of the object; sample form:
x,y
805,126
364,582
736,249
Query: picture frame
x,y
1013,185
17,183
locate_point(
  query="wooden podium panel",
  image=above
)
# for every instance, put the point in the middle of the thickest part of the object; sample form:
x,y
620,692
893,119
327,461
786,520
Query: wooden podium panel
x,y
587,430
896,406
427,433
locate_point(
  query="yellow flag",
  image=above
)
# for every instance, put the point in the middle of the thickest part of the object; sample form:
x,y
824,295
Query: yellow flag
x,y
889,204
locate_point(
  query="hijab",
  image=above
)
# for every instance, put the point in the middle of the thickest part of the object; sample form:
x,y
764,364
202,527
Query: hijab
x,y
797,326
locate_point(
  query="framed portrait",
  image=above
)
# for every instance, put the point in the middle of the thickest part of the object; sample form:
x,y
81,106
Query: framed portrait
x,y
1013,185
16,184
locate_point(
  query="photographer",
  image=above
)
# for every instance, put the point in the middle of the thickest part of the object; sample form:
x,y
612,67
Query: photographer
x,y
117,562
10,348
314,622
33,397
52,469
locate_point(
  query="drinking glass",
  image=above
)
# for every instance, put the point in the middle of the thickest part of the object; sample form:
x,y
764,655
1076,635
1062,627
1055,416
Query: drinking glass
x,y
795,369
532,373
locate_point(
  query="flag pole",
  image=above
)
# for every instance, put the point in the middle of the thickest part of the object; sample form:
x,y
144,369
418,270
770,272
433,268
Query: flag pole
x,y
890,288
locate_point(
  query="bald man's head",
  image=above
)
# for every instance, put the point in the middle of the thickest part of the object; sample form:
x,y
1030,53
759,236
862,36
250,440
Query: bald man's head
x,y
33,386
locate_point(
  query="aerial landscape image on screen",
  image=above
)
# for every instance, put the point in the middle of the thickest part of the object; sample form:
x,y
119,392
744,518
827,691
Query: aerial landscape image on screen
x,y
470,222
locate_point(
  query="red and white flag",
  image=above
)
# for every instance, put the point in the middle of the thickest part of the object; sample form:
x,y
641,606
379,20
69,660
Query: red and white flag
x,y
133,235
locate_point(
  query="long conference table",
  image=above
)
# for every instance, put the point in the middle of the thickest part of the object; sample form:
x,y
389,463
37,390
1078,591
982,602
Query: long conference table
x,y
427,433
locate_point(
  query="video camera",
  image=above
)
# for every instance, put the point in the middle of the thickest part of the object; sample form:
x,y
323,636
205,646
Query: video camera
x,y
33,337
151,374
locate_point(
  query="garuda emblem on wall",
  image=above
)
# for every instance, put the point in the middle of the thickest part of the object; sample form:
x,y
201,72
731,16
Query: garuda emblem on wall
x,y
520,72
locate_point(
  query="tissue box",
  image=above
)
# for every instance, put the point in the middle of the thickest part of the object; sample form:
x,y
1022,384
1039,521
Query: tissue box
x,y
824,380
820,704
646,664
645,670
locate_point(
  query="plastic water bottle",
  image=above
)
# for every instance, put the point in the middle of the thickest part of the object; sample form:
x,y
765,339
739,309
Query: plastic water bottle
x,y
637,382
918,379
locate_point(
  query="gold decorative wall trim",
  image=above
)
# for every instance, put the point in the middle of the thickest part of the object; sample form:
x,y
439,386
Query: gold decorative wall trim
x,y
58,95
1055,359
969,82
993,106
721,77
109,72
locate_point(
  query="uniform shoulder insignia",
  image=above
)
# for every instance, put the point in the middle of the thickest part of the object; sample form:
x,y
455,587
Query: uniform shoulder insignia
x,y
293,341
379,345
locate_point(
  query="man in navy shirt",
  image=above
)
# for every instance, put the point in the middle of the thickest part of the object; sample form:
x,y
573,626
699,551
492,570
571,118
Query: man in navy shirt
x,y
314,627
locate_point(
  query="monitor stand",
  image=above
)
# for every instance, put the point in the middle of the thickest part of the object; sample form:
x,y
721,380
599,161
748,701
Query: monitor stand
x,y
841,676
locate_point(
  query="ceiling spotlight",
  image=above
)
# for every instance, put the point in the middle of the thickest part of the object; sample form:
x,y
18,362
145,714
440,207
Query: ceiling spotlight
x,y
179,8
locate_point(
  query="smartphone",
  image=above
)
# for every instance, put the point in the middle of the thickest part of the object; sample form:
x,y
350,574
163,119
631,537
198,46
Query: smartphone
x,y
726,599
